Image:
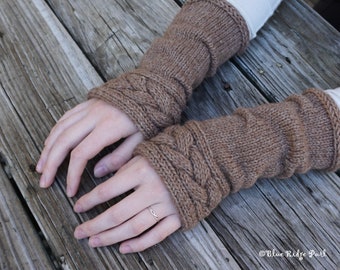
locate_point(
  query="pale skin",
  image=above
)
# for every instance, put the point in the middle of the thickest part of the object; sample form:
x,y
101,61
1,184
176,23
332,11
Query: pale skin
x,y
84,131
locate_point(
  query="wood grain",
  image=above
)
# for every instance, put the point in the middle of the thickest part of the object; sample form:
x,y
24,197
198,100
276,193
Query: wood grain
x,y
43,74
49,63
20,245
114,34
292,53
301,213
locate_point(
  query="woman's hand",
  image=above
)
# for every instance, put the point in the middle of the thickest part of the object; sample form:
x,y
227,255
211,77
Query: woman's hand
x,y
142,219
85,130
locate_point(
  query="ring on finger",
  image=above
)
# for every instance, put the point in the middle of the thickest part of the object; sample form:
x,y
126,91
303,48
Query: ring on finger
x,y
153,213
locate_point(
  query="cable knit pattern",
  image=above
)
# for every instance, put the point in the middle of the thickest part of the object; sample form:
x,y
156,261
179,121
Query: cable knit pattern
x,y
203,35
187,166
202,162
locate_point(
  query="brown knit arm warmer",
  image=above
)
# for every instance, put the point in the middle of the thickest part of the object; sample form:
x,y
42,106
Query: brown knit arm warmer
x,y
204,34
202,162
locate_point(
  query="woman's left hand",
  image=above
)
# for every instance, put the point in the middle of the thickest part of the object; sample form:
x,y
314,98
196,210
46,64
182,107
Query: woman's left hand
x,y
142,219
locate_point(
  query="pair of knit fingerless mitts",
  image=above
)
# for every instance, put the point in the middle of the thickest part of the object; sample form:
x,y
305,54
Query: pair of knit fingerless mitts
x,y
202,162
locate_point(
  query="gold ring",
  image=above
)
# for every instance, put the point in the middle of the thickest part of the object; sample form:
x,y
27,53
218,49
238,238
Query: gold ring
x,y
153,213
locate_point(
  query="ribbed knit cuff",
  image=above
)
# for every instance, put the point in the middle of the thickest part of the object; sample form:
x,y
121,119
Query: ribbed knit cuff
x,y
202,162
203,35
332,113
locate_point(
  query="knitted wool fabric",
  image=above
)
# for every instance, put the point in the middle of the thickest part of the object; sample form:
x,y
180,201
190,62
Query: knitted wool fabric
x,y
203,35
202,162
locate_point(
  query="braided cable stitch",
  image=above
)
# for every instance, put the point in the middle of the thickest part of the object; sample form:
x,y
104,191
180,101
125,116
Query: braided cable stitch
x,y
202,162
203,35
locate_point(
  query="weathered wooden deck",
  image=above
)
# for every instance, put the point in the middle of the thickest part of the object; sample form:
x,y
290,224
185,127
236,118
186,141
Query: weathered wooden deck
x,y
52,52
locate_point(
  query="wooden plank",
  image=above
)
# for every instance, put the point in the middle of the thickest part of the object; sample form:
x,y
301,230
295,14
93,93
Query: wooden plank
x,y
114,34
20,245
285,216
43,73
301,213
52,211
36,83
296,50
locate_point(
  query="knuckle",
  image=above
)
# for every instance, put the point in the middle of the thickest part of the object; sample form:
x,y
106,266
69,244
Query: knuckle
x,y
140,245
160,236
47,142
102,192
77,153
63,141
116,161
142,169
160,191
137,227
116,218
177,223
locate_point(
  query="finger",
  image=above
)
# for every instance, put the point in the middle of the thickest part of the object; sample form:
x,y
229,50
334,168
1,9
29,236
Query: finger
x,y
114,216
119,156
129,177
133,227
64,143
88,148
80,107
66,121
157,234
112,188
56,131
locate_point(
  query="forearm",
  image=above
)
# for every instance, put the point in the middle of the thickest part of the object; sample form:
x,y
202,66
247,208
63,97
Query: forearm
x,y
335,95
255,13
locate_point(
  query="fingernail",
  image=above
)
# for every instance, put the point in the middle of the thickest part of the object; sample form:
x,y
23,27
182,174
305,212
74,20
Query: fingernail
x,y
78,208
39,166
43,182
94,242
125,249
69,192
100,171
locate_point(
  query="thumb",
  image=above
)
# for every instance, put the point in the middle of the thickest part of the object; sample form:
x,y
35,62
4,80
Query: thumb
x,y
121,155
